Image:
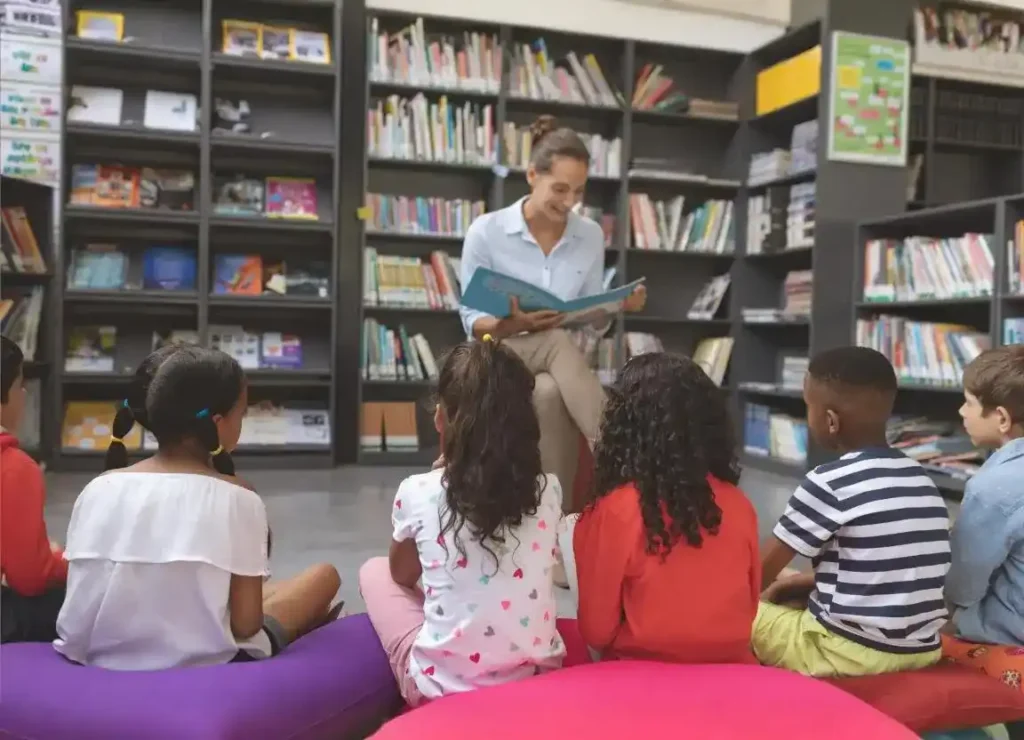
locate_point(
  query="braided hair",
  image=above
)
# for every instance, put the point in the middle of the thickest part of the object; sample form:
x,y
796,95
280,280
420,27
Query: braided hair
x,y
178,390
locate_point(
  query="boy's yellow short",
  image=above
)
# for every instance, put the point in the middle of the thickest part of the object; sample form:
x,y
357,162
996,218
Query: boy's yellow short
x,y
795,640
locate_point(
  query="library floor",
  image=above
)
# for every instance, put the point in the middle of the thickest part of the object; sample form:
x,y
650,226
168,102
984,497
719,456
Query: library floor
x,y
343,516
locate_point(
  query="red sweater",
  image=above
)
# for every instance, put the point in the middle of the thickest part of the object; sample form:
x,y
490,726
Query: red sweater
x,y
698,606
27,563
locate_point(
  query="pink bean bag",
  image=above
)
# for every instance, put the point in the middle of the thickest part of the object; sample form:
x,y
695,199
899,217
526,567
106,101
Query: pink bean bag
x,y
630,699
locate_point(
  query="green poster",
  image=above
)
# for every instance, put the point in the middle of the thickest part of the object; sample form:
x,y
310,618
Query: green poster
x,y
870,98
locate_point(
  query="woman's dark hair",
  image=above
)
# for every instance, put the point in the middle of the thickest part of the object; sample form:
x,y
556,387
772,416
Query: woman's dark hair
x,y
666,427
491,443
177,391
549,140
12,360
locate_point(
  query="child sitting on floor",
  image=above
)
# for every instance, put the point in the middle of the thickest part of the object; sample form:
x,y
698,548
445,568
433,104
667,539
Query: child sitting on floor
x,y
168,556
666,550
480,532
877,532
33,569
985,585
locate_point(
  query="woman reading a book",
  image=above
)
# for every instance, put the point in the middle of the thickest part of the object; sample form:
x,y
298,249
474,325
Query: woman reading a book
x,y
541,240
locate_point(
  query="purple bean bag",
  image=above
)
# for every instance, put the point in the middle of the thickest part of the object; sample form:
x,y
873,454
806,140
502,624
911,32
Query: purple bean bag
x,y
333,683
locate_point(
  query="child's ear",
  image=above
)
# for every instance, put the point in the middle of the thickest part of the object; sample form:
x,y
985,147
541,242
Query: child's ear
x,y
1004,419
832,422
438,419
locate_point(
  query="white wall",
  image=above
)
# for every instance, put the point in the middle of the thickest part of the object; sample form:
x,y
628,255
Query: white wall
x,y
615,18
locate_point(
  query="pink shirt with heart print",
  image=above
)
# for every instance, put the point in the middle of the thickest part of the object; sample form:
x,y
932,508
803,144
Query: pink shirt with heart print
x,y
485,623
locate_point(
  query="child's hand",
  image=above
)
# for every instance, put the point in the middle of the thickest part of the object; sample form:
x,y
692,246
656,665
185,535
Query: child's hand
x,y
792,591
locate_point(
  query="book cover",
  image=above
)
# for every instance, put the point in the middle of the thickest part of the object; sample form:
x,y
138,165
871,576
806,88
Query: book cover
x,y
169,268
91,349
87,426
116,187
98,267
491,291
281,351
238,275
172,190
238,196
235,341
83,184
308,278
17,226
291,197
170,111
98,105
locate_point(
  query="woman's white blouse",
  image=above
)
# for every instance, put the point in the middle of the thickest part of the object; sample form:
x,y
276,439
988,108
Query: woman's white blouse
x,y
150,558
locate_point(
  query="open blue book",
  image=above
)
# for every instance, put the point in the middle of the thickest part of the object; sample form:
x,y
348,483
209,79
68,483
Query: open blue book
x,y
491,291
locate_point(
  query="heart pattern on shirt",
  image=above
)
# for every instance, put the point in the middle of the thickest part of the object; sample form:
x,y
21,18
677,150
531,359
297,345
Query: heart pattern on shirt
x,y
472,607
536,641
485,580
489,632
475,657
398,503
547,616
542,524
506,605
533,594
440,540
518,574
461,562
439,611
535,547
525,621
513,648
428,671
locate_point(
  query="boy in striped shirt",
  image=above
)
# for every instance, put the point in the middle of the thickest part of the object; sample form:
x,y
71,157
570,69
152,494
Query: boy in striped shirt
x,y
876,531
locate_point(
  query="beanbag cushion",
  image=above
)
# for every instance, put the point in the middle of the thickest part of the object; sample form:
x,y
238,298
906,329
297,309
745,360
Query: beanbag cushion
x,y
631,699
332,683
943,697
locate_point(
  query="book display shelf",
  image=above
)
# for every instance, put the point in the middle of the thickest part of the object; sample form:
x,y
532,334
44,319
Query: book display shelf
x,y
201,189
663,127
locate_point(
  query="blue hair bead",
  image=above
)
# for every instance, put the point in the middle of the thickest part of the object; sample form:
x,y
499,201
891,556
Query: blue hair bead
x,y
126,404
202,414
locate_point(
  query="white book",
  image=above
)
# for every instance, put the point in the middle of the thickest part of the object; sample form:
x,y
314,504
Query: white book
x,y
99,105
170,111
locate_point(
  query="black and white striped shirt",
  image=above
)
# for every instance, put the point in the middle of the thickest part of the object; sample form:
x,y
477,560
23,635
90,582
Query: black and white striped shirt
x,y
877,531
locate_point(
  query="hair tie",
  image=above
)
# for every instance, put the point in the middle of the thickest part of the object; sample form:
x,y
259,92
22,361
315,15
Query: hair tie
x,y
125,404
488,338
219,450
119,440
202,414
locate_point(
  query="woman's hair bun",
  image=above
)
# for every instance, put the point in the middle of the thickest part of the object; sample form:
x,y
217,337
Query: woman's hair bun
x,y
541,127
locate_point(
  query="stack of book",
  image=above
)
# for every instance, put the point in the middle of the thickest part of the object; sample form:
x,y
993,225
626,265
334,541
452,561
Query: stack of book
x,y
800,215
394,354
661,225
251,274
781,219
656,91
472,62
19,250
1015,260
925,268
708,301
921,352
536,76
409,282
388,427
797,288
20,319
940,446
711,354
803,156
113,186
766,167
418,130
794,370
109,267
417,214
767,433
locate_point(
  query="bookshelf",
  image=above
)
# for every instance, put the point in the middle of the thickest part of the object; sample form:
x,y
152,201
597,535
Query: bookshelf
x,y
259,121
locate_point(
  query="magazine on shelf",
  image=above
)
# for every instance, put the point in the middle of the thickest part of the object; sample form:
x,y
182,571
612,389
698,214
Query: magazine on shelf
x,y
491,291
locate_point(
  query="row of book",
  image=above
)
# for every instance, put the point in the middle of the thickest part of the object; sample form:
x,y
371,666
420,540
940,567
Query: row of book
x,y
20,318
797,292
605,154
535,75
93,349
252,274
418,214
162,110
922,352
661,225
927,268
109,267
781,219
769,433
86,426
1015,259
940,446
409,282
801,157
656,91
273,197
388,426
408,57
395,354
19,249
419,130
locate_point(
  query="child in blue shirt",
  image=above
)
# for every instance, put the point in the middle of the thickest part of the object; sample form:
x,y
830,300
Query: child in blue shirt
x,y
985,585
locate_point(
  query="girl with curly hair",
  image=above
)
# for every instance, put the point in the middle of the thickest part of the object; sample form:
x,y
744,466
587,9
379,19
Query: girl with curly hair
x,y
666,549
465,598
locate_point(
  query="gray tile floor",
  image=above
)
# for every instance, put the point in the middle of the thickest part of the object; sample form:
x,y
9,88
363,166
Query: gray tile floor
x,y
343,516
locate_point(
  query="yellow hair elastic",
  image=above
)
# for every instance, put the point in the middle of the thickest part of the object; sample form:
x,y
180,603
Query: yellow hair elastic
x,y
113,439
488,338
220,449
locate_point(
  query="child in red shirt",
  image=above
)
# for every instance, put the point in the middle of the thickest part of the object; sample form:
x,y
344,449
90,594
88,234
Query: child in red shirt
x,y
666,550
34,571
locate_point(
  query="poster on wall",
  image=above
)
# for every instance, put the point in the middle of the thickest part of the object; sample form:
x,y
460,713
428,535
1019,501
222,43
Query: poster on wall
x,y
35,60
31,158
30,108
869,99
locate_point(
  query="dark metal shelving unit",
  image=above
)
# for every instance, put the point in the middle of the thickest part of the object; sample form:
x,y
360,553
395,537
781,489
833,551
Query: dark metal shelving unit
x,y
175,45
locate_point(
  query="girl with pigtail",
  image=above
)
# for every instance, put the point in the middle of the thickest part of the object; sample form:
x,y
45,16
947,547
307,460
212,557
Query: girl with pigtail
x,y
168,557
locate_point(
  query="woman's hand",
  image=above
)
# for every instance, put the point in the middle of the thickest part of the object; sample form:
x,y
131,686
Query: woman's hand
x,y
637,299
518,321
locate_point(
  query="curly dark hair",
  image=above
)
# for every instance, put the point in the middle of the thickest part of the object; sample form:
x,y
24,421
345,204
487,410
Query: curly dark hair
x,y
491,444
666,427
